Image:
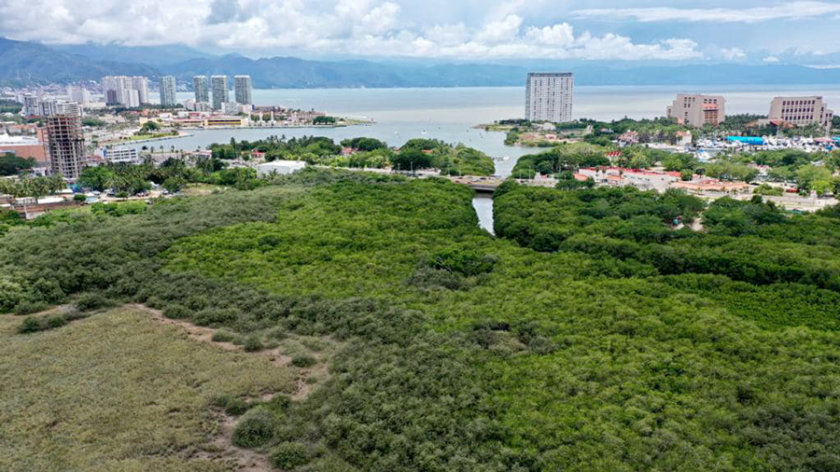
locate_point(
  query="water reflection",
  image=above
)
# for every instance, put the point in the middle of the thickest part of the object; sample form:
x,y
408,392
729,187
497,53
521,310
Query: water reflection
x,y
483,204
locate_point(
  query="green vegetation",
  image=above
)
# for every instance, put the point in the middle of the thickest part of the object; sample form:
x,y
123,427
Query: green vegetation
x,y
595,334
149,127
31,186
416,154
727,168
92,122
767,190
173,175
116,391
289,455
256,428
324,120
10,106
570,157
10,164
564,157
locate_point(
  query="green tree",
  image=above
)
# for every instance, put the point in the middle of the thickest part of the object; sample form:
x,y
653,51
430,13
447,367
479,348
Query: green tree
x,y
411,159
680,162
149,127
97,178
814,178
10,164
174,184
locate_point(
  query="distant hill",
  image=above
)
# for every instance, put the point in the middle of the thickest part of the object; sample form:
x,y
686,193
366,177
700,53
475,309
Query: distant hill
x,y
154,56
290,72
25,62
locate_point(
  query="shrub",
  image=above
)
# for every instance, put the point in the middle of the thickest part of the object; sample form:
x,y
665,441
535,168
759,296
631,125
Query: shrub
x,y
270,241
465,262
55,321
253,343
48,290
177,312
211,316
232,405
254,429
542,345
73,314
223,336
289,455
30,325
93,301
280,401
29,307
304,361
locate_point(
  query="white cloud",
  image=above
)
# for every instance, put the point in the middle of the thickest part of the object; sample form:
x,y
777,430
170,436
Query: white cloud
x,y
503,30
560,35
771,59
357,27
781,11
733,54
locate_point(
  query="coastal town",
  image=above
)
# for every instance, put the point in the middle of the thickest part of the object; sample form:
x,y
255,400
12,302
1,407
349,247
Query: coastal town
x,y
62,131
419,236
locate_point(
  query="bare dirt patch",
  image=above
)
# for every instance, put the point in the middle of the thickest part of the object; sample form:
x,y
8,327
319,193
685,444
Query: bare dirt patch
x,y
198,333
308,378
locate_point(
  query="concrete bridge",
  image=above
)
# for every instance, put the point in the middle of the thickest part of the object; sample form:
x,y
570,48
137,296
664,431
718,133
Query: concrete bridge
x,y
489,184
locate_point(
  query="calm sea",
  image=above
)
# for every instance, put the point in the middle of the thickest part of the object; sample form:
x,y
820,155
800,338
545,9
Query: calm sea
x,y
450,114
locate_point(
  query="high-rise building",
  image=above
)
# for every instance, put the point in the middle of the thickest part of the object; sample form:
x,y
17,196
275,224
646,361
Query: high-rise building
x,y
141,84
549,96
202,89
801,111
115,88
698,110
168,91
54,107
78,94
120,90
31,105
65,145
220,91
242,89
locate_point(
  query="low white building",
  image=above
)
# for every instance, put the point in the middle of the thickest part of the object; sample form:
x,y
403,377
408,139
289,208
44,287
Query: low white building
x,y
122,154
279,168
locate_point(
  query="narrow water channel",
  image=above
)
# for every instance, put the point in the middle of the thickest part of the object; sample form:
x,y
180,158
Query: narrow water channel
x,y
483,204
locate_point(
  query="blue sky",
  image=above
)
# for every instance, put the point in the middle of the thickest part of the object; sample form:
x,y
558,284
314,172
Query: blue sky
x,y
745,31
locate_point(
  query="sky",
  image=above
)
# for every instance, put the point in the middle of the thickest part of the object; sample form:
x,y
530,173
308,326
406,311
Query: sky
x,y
746,31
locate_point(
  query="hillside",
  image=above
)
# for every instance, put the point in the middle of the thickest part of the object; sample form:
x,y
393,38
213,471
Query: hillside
x,y
24,62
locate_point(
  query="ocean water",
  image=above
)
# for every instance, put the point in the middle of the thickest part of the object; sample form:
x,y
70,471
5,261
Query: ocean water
x,y
450,114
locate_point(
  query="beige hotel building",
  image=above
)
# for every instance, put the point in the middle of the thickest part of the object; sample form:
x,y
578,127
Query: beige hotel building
x,y
801,111
698,110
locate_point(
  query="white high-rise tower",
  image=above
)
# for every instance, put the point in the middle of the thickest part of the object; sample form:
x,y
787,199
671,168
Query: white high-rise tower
x,y
548,97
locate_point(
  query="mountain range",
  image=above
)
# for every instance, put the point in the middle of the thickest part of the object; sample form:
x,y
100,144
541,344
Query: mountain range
x,y
26,63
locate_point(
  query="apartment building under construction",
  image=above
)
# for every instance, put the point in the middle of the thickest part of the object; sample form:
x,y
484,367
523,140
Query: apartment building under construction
x,y
66,145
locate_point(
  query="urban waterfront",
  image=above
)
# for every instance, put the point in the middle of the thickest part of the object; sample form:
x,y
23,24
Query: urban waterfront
x,y
451,114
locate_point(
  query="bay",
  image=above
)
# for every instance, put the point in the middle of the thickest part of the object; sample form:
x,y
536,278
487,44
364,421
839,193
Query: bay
x,y
450,114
